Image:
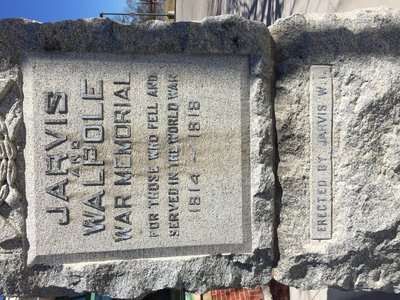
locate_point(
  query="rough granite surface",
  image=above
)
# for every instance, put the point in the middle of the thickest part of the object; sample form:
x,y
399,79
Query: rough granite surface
x,y
137,277
362,48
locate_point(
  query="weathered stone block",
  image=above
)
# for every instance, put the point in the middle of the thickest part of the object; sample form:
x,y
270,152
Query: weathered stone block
x,y
144,159
337,109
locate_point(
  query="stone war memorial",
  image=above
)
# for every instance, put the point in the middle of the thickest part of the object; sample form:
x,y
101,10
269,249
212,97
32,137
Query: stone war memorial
x,y
200,155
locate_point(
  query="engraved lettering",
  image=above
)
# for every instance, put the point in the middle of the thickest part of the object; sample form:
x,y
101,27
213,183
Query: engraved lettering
x,y
99,115
90,93
124,218
94,201
123,93
322,90
60,138
122,131
172,87
152,85
64,220
92,133
55,121
122,162
122,233
90,157
124,167
58,189
54,101
154,224
93,223
75,144
321,152
173,130
127,80
125,179
75,158
121,202
152,116
173,178
120,116
53,164
153,187
99,180
173,157
75,172
152,147
125,146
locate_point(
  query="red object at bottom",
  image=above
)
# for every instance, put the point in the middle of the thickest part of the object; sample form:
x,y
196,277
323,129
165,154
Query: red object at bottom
x,y
238,294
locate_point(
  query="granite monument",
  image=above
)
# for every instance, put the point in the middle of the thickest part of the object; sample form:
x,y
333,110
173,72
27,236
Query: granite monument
x,y
135,158
200,155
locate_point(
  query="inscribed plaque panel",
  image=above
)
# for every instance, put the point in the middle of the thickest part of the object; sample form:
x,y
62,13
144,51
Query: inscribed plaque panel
x,y
321,152
144,155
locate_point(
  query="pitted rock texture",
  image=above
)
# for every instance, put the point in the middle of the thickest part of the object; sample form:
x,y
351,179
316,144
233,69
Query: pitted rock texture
x,y
138,277
362,47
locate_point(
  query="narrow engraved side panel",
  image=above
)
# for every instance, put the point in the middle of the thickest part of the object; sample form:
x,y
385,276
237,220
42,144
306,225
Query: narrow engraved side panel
x,y
321,152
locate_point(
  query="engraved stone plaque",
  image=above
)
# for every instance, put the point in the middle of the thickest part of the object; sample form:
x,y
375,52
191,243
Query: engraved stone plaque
x,y
137,156
321,152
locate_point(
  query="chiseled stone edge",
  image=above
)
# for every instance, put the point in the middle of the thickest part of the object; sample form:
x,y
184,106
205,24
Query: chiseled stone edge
x,y
135,278
320,39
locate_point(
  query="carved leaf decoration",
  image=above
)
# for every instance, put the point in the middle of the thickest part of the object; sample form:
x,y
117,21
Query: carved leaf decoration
x,y
5,85
9,195
13,198
13,120
7,231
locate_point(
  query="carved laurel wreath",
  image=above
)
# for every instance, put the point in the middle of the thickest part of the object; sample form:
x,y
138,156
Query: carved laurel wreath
x,y
9,195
